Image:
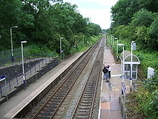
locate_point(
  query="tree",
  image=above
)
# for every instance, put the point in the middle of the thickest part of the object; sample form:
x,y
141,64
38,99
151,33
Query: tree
x,y
153,32
142,18
123,11
150,5
9,16
93,29
135,20
43,22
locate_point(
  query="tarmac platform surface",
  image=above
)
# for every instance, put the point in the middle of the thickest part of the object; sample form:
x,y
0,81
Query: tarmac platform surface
x,y
110,107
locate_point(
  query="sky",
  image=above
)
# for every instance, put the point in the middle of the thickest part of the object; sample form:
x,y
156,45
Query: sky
x,y
98,11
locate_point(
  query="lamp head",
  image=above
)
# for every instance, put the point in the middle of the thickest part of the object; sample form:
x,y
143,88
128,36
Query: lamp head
x,y
23,42
14,27
120,44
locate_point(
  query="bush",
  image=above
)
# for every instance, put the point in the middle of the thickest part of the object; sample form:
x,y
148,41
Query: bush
x,y
147,103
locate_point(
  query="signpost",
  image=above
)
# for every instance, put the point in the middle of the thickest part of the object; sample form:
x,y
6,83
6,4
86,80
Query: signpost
x,y
133,47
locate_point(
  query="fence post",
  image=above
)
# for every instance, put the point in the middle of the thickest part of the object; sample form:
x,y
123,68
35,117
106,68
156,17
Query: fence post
x,y
30,70
1,91
17,80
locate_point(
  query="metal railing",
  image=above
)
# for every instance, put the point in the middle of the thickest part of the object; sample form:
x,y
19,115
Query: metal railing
x,y
4,62
8,85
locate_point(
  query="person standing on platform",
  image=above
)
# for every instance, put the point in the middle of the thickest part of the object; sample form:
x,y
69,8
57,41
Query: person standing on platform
x,y
106,73
109,71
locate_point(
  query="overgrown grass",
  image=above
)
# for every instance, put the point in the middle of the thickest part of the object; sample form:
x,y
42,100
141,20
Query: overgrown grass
x,y
82,46
90,43
142,104
39,50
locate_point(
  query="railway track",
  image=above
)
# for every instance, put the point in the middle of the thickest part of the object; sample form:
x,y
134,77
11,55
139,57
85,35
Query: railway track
x,y
65,92
86,103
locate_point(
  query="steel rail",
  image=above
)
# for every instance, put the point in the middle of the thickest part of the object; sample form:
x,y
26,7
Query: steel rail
x,y
62,91
85,105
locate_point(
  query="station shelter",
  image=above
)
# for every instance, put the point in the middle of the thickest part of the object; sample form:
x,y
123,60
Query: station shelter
x,y
126,63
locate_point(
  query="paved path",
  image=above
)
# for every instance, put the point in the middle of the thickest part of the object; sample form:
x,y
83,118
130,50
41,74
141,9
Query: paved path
x,y
110,91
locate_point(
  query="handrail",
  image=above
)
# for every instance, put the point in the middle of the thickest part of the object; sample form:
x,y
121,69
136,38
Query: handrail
x,y
8,85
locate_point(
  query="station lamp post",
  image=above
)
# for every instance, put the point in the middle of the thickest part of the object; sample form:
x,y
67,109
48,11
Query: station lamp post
x,y
22,55
61,47
133,47
122,45
83,39
12,42
117,48
75,39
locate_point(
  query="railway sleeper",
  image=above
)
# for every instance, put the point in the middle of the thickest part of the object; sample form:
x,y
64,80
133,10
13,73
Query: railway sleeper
x,y
82,116
86,100
84,107
86,103
83,111
90,97
42,117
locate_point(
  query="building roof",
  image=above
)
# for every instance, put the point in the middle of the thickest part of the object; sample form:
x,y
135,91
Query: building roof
x,y
127,58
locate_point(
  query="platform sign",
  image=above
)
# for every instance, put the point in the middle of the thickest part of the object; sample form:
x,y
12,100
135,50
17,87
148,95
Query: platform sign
x,y
134,46
2,77
151,72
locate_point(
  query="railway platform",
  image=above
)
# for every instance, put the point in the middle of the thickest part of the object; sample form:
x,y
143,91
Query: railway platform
x,y
110,107
12,106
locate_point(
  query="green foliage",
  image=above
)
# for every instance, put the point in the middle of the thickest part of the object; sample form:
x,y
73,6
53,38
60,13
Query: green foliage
x,y
142,37
136,20
123,11
153,33
147,98
153,105
34,50
93,29
39,50
150,5
40,22
9,16
124,31
10,12
147,103
27,21
142,18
